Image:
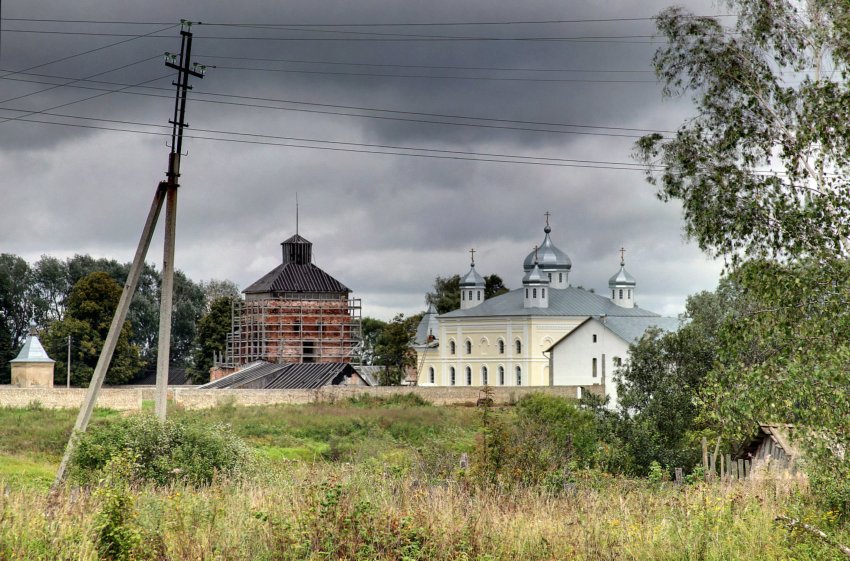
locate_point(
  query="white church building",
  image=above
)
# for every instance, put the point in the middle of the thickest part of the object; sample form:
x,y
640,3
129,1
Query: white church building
x,y
546,333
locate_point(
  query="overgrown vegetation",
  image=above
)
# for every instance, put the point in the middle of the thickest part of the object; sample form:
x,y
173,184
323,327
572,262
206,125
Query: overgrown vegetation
x,y
162,453
381,479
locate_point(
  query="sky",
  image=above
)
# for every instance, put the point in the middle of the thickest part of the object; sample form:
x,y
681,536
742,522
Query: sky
x,y
406,145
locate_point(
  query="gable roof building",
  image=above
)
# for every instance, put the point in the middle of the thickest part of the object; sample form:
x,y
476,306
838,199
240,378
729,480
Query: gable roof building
x,y
507,340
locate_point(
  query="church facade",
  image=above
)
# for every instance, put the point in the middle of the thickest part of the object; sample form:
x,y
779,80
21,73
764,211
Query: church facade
x,y
521,338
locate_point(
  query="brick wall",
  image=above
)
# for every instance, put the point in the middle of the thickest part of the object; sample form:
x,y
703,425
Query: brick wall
x,y
131,398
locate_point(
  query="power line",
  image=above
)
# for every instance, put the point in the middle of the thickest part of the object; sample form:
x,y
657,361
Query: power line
x,y
397,151
398,38
423,66
374,24
73,80
109,46
380,117
437,77
79,100
315,140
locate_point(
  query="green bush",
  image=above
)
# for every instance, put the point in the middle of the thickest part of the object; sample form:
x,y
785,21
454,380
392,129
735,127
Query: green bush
x,y
548,438
184,450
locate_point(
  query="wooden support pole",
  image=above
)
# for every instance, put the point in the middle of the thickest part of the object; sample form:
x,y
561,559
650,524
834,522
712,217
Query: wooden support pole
x,y
114,332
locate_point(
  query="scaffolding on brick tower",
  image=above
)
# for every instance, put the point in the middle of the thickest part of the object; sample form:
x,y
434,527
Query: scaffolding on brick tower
x,y
295,313
294,328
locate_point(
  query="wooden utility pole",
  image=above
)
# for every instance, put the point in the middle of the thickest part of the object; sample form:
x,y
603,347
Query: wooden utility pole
x,y
167,288
165,190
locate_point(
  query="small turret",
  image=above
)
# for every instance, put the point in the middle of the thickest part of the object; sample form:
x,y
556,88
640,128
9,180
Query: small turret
x,y
535,283
622,285
471,286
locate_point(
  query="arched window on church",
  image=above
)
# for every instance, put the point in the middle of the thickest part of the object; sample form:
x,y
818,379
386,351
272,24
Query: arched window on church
x,y
463,295
518,347
501,375
621,294
518,376
470,295
452,376
526,293
543,293
431,375
468,347
478,294
484,376
612,294
468,376
452,349
534,293
501,346
560,277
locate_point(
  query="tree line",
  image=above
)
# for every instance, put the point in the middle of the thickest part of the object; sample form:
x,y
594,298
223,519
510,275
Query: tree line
x,y
76,298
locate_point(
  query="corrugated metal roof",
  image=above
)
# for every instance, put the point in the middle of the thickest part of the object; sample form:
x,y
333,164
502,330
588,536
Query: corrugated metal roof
x,y
309,375
32,351
428,325
569,301
291,277
299,375
369,373
630,329
245,375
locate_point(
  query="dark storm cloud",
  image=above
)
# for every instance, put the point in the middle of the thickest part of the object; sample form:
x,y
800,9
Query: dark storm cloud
x,y
385,225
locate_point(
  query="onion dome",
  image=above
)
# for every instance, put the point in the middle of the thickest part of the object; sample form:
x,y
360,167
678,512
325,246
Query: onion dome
x,y
549,257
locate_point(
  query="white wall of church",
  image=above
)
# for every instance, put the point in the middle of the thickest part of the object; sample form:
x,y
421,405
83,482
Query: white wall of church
x,y
589,356
491,343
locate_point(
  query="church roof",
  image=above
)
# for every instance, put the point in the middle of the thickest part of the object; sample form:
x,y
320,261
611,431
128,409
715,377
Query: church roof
x,y
32,351
427,326
569,301
628,328
292,277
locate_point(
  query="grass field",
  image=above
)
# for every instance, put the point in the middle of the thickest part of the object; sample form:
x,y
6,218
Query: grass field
x,y
380,480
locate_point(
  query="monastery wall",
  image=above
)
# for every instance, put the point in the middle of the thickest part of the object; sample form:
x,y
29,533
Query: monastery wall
x,y
124,399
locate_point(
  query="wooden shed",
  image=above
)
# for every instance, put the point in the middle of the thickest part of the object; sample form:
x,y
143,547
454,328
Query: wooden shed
x,y
772,444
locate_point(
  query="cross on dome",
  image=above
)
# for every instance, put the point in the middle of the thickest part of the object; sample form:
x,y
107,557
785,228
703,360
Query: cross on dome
x,y
622,256
472,256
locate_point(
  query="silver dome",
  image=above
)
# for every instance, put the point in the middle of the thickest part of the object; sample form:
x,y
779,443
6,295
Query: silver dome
x,y
549,257
622,278
534,276
472,278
